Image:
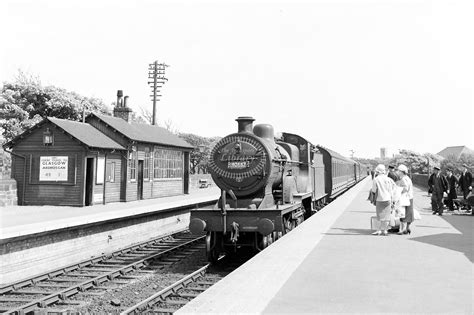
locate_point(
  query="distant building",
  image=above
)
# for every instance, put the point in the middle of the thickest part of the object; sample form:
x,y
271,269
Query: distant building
x,y
384,153
455,152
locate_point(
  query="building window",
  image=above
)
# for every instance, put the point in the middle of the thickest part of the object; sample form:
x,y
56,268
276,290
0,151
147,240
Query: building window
x,y
146,164
167,164
48,137
132,163
110,172
100,168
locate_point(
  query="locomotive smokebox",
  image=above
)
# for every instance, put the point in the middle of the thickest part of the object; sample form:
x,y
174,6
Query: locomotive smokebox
x,y
245,124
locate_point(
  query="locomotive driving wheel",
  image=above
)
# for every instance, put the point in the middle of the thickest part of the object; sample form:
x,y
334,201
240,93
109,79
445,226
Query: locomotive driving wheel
x,y
212,247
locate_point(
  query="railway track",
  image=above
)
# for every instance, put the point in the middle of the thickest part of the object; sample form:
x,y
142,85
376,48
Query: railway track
x,y
52,292
175,296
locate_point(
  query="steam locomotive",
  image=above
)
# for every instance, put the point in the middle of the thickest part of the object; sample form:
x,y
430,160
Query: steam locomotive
x,y
268,187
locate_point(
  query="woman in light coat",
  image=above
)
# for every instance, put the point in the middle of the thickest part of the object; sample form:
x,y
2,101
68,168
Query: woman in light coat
x,y
383,187
406,199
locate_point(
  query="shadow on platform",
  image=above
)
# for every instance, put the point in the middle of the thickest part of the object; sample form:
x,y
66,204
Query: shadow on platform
x,y
462,242
351,232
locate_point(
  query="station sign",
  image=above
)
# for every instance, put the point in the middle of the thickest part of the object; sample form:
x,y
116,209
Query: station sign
x,y
53,168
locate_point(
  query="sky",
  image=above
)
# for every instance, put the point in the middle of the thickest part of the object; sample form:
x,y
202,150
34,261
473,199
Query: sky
x,y
349,75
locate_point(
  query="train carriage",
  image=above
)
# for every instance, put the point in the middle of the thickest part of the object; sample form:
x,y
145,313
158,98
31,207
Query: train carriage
x,y
339,172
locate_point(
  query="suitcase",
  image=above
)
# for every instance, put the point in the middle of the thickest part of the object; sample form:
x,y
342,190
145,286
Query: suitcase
x,y
374,223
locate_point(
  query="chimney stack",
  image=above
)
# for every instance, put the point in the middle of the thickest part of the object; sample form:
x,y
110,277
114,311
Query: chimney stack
x,y
125,99
119,98
121,110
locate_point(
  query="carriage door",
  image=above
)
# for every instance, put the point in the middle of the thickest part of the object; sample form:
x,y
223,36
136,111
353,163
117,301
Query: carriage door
x,y
140,180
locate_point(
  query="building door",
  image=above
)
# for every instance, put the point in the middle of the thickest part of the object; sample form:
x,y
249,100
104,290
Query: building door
x,y
140,180
89,189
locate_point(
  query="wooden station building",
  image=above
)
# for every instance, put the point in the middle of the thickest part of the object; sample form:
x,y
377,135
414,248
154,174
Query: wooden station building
x,y
106,159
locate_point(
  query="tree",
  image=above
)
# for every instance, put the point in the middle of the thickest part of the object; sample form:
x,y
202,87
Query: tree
x,y
24,102
417,163
457,164
199,157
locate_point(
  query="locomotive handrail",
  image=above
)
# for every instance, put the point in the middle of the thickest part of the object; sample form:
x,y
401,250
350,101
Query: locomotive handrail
x,y
288,161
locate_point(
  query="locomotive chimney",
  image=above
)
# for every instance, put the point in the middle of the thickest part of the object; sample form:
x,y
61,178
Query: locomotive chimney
x,y
245,124
119,98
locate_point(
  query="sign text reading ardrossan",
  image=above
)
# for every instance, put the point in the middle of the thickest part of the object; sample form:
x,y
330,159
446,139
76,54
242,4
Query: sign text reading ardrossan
x,y
53,168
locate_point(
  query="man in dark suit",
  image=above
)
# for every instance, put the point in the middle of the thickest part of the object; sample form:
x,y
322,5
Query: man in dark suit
x,y
465,182
391,173
452,183
438,185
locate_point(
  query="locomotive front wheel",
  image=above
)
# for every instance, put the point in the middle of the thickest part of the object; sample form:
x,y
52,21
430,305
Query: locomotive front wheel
x,y
212,247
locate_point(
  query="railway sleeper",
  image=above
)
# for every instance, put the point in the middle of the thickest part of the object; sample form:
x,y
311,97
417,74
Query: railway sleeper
x,y
67,280
120,282
187,294
103,267
177,302
163,310
32,292
51,285
199,289
145,271
209,283
170,259
87,275
130,277
4,299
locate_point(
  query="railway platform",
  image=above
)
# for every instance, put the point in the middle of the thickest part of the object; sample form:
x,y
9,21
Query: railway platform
x,y
18,221
332,264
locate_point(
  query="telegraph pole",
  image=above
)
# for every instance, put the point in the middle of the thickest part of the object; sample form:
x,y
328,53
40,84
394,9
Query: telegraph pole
x,y
156,72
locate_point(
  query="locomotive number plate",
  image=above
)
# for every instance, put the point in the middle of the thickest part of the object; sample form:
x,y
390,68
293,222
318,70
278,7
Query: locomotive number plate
x,y
238,165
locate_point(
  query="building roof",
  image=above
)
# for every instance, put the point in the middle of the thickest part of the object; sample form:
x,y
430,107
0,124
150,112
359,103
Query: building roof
x,y
144,132
456,151
84,133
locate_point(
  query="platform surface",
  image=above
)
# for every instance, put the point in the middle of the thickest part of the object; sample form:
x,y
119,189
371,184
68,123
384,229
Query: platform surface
x,y
25,220
332,264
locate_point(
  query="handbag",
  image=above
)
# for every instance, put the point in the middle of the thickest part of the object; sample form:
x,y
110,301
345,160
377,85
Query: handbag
x,y
416,214
372,197
404,200
394,221
399,212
